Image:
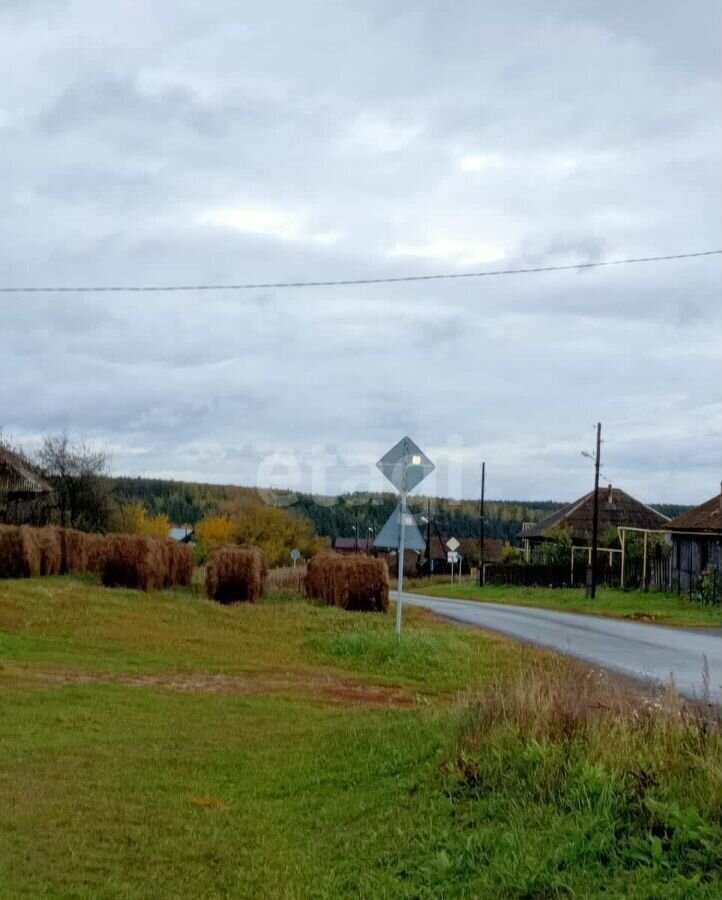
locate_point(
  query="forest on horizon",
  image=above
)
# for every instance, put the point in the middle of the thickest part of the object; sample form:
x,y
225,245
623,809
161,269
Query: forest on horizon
x,y
186,503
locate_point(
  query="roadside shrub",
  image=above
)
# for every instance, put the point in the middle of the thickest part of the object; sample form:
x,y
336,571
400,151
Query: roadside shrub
x,y
236,574
350,582
19,552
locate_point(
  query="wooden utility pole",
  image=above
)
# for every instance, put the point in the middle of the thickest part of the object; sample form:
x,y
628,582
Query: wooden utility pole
x,y
428,538
481,526
595,516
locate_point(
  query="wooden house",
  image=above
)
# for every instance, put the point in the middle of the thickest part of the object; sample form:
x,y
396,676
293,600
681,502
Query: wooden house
x,y
617,509
696,543
25,497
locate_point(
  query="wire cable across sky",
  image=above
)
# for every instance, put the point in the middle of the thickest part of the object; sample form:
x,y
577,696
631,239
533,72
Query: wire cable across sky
x,y
249,286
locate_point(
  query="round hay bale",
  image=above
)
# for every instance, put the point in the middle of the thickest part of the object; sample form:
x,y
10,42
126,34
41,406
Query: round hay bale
x,y
94,551
19,552
350,582
133,561
236,574
180,564
51,554
73,551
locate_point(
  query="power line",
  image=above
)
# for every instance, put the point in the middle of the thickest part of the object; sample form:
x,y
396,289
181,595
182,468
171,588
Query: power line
x,y
167,288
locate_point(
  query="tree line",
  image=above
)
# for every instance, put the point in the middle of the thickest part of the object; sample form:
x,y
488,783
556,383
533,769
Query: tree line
x,y
88,497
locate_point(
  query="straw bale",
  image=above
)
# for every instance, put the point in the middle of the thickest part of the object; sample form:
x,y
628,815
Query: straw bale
x,y
19,552
180,563
133,561
49,546
236,574
73,550
351,582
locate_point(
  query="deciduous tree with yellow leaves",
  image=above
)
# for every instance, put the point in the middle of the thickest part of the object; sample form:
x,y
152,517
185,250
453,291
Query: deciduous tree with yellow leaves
x,y
276,531
134,518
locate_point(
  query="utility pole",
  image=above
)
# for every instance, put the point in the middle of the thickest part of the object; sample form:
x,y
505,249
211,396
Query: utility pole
x,y
481,526
428,537
592,581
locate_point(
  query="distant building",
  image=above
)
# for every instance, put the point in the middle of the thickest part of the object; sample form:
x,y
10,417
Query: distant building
x,y
616,509
25,497
696,543
492,549
347,545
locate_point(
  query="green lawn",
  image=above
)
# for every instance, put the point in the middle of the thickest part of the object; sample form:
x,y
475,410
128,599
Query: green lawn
x,y
664,609
163,746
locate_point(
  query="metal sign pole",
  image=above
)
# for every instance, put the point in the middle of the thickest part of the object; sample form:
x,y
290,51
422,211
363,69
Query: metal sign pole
x,y
405,466
400,592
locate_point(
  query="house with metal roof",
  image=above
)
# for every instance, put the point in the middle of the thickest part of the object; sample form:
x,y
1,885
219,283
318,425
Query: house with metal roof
x,y
697,544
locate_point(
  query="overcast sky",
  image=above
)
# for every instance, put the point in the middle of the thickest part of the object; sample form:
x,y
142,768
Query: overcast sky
x,y
217,141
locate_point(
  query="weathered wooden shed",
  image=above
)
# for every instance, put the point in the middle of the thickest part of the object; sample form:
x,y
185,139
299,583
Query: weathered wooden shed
x,y
25,497
696,544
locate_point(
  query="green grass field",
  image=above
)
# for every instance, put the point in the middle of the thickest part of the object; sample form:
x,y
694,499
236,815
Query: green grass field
x,y
162,746
664,609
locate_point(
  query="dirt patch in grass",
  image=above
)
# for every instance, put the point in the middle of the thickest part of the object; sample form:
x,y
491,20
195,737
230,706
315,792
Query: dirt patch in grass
x,y
326,687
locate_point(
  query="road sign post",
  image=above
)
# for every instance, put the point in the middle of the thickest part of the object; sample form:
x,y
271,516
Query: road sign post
x,y
401,563
452,545
405,466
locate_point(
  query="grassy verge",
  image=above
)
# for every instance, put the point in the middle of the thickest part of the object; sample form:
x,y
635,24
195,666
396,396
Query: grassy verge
x,y
587,789
664,609
160,745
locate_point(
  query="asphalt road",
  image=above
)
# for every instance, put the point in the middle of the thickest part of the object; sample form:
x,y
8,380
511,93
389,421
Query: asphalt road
x,y
649,652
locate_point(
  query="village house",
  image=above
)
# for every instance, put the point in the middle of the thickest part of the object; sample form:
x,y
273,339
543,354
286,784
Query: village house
x,y
696,544
347,545
25,497
617,509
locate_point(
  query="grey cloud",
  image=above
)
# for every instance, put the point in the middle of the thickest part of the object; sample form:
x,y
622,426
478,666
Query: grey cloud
x,y
584,131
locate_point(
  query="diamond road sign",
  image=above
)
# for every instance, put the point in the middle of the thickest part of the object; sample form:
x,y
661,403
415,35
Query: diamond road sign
x,y
405,465
390,534
453,544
